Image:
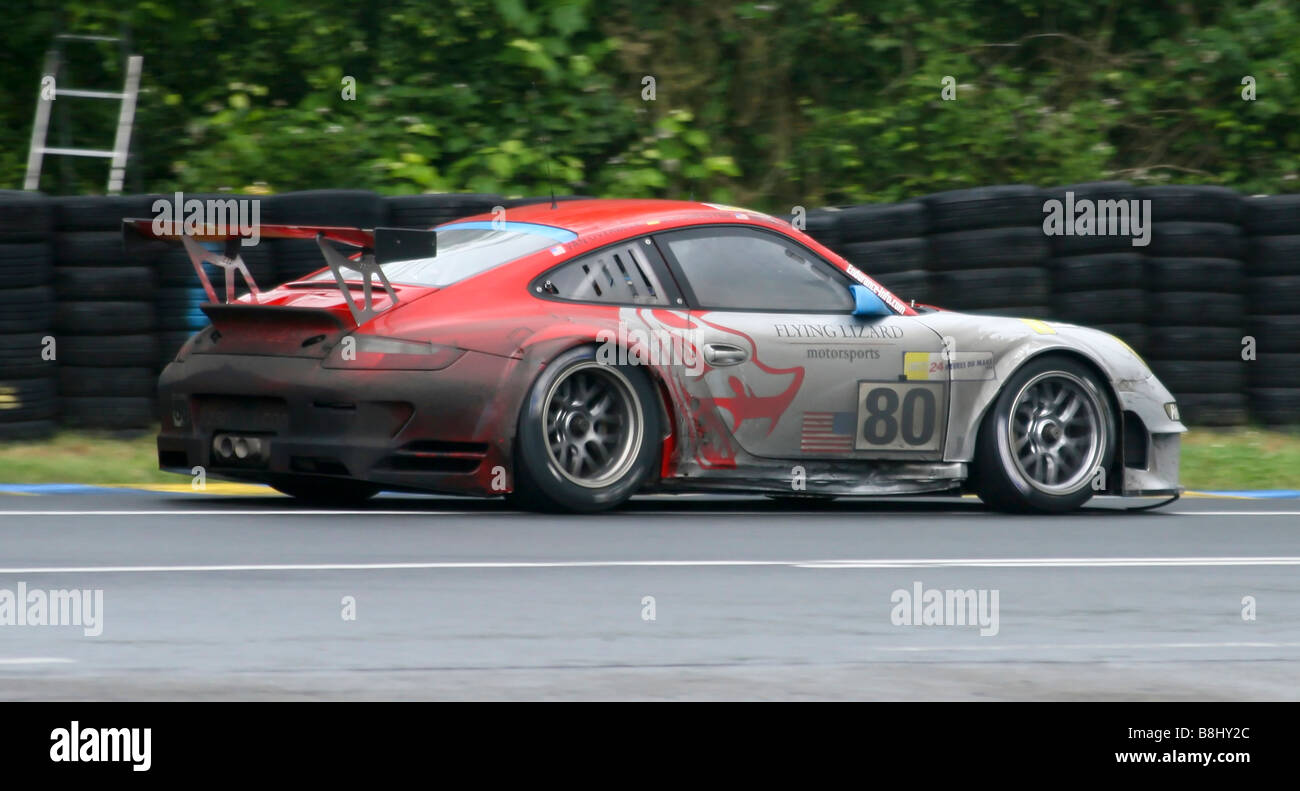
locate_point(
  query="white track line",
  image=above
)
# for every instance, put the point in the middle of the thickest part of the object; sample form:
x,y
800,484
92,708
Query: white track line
x,y
1050,562
1238,513
618,514
36,660
434,513
187,512
579,564
1072,646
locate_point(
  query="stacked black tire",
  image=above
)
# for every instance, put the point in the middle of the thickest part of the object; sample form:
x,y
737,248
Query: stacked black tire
x,y
426,211
28,364
512,203
988,250
1098,279
294,258
1273,286
886,241
1196,283
821,224
106,321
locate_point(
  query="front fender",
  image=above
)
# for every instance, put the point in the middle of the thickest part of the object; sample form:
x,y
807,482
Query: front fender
x,y
1012,342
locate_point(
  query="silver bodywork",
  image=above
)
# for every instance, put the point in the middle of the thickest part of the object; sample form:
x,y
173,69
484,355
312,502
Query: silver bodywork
x,y
778,399
1138,393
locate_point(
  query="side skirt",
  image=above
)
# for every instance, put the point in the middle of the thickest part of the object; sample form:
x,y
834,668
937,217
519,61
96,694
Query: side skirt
x,y
809,476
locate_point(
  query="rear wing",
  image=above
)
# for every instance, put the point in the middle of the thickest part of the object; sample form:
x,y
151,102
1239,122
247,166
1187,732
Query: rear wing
x,y
375,247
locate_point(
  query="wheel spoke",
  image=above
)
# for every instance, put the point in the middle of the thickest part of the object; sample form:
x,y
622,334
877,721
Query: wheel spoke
x,y
1071,407
1052,470
1058,399
603,402
577,457
596,451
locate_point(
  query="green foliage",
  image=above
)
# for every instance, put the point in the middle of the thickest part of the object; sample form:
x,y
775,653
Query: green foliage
x,y
766,104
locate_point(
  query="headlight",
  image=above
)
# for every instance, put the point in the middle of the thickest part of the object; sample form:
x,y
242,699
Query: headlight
x,y
375,352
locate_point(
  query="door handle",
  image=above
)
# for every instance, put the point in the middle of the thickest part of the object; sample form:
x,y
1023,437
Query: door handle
x,y
719,354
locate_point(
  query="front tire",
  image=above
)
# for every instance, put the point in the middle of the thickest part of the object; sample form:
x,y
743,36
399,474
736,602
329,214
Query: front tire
x,y
588,435
1051,428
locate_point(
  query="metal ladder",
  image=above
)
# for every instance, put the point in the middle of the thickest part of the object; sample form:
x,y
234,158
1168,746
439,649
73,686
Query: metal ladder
x,y
45,101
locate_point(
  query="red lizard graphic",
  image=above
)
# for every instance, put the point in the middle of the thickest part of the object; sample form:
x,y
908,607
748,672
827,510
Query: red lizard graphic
x,y
744,404
716,447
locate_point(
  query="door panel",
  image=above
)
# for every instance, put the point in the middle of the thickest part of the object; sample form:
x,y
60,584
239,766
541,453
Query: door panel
x,y
821,385
785,359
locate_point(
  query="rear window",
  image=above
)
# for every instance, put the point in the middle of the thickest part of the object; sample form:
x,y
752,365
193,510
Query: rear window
x,y
467,249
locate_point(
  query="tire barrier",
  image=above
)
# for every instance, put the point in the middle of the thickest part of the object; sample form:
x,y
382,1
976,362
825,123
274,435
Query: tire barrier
x,y
888,237
988,250
28,366
1273,322
1212,302
1098,279
1196,281
102,295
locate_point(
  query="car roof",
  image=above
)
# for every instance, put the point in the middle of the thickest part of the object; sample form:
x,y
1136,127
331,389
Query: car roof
x,y
615,218
605,215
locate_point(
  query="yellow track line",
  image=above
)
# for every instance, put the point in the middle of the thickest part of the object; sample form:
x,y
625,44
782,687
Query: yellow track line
x,y
216,487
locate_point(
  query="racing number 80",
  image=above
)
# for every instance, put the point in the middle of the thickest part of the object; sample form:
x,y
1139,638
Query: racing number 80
x,y
887,417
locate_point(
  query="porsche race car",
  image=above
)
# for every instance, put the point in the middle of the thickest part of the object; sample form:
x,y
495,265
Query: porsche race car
x,y
569,356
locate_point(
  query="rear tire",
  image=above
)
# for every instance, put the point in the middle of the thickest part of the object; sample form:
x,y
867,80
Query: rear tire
x,y
1042,440
588,435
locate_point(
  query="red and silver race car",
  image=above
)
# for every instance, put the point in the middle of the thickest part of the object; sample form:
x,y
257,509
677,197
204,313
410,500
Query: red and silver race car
x,y
570,356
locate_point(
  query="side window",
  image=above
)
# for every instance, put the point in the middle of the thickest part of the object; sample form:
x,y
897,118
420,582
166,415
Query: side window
x,y
741,269
620,275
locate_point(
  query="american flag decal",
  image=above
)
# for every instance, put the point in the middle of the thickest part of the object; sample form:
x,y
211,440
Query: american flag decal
x,y
826,432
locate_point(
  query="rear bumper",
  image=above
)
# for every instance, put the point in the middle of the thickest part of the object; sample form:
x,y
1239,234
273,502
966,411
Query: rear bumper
x,y
447,431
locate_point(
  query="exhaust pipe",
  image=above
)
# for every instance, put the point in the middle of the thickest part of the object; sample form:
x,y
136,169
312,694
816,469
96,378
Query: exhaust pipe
x,y
237,449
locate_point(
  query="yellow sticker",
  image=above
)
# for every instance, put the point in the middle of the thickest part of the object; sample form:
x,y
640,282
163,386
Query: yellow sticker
x,y
916,365
1040,327
1121,342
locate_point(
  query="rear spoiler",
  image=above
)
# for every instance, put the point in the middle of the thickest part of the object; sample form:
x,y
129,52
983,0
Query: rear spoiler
x,y
375,247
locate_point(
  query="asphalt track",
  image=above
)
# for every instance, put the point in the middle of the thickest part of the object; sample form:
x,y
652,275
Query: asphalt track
x,y
241,597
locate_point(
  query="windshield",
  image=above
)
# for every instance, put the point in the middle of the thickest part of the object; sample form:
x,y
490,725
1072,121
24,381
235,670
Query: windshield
x,y
468,248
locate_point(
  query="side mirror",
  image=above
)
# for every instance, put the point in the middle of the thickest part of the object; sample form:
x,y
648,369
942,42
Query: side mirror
x,y
866,303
